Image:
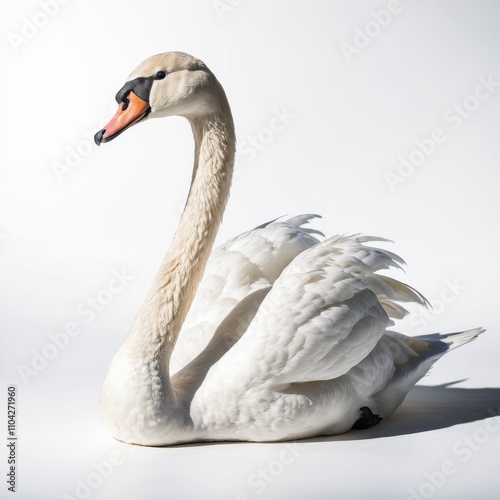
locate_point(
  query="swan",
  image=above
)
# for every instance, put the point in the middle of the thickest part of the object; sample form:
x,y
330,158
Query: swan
x,y
288,334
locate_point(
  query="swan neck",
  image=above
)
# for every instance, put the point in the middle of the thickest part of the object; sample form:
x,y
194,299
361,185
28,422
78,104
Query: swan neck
x,y
160,319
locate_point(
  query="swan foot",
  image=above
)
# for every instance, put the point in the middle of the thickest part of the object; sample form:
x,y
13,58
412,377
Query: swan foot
x,y
367,419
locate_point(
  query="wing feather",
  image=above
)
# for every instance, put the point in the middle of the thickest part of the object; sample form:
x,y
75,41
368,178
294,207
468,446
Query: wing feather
x,y
324,314
242,266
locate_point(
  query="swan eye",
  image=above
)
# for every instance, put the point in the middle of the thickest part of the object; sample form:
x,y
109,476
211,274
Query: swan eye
x,y
160,75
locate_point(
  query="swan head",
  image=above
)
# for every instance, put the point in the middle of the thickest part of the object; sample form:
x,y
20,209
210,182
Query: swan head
x,y
168,84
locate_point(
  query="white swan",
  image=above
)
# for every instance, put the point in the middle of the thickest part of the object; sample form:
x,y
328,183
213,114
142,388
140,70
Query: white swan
x,y
287,336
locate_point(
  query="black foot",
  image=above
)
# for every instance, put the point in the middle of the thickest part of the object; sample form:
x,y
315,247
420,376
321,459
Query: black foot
x,y
368,419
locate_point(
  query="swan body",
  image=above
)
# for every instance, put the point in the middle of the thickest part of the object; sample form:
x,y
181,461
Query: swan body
x,y
279,334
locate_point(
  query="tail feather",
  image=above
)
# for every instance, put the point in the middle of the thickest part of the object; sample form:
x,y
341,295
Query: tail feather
x,y
427,349
439,343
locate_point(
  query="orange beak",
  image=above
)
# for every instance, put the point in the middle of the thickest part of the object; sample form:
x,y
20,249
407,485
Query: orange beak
x,y
129,113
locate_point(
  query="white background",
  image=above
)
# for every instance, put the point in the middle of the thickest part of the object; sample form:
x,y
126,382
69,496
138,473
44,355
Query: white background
x,y
116,207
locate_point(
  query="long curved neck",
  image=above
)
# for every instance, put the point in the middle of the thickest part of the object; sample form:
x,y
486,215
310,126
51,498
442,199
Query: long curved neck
x,y
160,319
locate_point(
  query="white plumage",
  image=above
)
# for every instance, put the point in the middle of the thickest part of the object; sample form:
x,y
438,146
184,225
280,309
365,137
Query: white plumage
x,y
244,265
285,337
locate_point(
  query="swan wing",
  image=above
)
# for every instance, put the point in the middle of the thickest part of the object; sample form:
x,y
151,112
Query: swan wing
x,y
240,267
324,314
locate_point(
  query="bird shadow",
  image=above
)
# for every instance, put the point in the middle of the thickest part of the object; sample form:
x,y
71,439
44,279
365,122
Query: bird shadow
x,y
428,408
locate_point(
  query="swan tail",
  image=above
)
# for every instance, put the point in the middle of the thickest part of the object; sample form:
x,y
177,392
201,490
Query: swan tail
x,y
439,343
412,351
413,358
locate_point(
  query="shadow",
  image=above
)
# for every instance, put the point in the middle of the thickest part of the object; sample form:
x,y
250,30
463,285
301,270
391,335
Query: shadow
x,y
429,408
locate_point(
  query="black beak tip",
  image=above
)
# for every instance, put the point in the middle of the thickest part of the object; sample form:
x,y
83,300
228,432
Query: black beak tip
x,y
98,138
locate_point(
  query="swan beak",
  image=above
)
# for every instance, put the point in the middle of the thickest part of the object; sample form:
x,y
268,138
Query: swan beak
x,y
129,112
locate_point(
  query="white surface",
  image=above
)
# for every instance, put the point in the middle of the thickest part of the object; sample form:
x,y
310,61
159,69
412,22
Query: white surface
x,y
116,210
